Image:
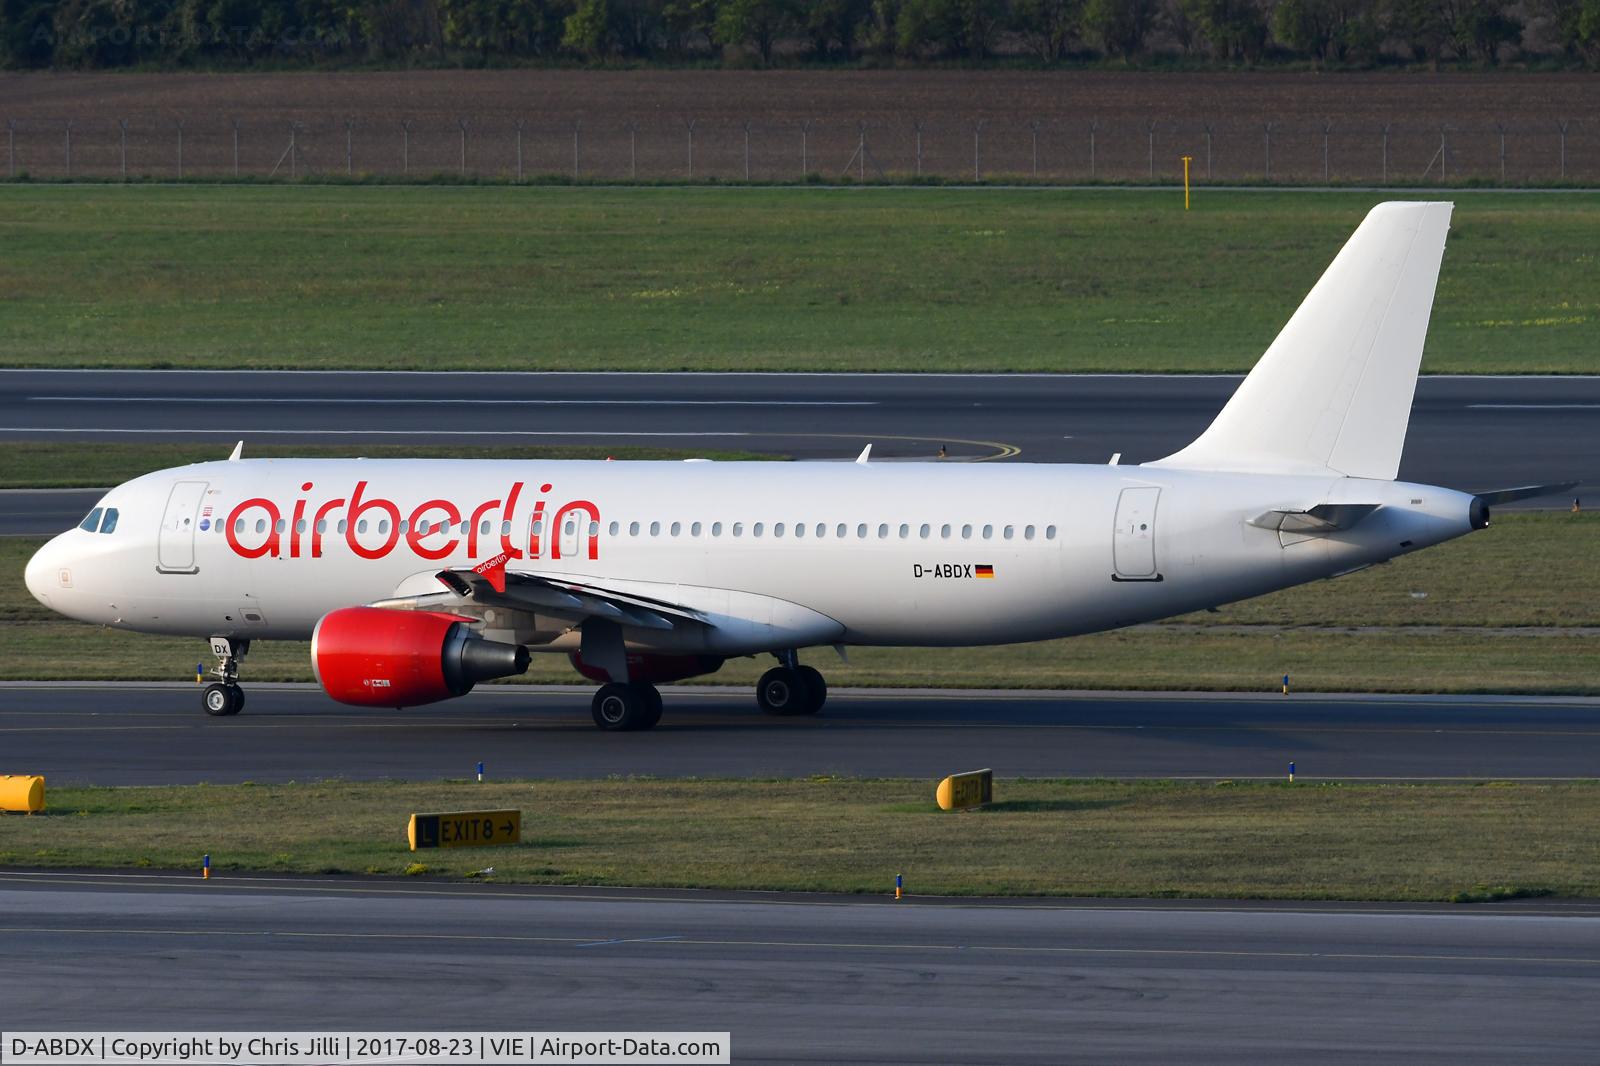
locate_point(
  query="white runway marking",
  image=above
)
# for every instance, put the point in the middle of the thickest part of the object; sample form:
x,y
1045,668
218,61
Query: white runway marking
x,y
1533,406
464,402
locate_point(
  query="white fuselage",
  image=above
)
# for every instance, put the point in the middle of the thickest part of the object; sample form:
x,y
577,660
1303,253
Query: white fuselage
x,y
777,555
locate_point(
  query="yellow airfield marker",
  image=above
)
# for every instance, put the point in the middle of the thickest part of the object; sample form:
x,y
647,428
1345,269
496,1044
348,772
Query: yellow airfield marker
x,y
1186,161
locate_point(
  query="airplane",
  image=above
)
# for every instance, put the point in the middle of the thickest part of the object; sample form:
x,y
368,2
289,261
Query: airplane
x,y
417,579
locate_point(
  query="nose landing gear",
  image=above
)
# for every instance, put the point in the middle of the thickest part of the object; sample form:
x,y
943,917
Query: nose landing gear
x,y
224,696
791,689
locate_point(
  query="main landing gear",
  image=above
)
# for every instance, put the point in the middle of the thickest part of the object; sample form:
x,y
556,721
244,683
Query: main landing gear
x,y
620,707
791,689
225,697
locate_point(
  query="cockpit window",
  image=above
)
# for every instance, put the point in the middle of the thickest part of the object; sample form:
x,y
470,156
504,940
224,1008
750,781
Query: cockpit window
x,y
110,523
91,522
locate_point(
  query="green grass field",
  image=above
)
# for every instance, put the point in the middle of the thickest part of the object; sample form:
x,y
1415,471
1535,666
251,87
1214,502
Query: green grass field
x,y
1302,841
748,278
1513,608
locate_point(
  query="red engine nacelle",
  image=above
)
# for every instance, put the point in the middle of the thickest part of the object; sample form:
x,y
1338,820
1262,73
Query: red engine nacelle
x,y
380,657
651,668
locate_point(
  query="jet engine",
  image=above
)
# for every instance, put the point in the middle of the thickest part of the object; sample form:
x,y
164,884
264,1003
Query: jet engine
x,y
380,657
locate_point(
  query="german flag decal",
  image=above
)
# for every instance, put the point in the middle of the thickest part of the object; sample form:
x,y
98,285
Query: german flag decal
x,y
983,570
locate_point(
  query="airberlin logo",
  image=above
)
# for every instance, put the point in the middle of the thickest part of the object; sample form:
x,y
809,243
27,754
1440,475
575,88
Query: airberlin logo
x,y
435,529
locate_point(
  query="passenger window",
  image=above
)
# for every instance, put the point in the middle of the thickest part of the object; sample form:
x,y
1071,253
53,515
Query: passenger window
x,y
300,525
944,531
655,529
405,526
614,528
966,532
694,530
633,529
594,529
278,526
988,531
570,527
261,525
322,525
755,530
361,526
1027,533
677,527
91,521
822,529
344,525
483,530
905,531
883,530
924,531
841,530
505,528
861,531
110,523
1049,532
738,528
383,525
716,529
799,529
1007,533
777,530
537,527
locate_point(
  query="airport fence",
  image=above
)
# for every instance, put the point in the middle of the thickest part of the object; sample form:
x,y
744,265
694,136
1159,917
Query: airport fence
x,y
1053,149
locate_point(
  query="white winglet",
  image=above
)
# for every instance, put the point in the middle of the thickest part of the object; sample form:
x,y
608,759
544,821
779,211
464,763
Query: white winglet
x,y
862,458
237,453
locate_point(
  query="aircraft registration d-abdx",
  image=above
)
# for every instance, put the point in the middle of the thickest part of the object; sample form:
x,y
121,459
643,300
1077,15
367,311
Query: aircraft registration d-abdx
x,y
416,579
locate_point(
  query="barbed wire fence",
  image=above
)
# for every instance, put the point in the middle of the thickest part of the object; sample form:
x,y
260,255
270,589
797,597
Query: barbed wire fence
x,y
1044,149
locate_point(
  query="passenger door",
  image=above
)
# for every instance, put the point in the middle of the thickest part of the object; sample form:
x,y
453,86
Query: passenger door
x,y
175,546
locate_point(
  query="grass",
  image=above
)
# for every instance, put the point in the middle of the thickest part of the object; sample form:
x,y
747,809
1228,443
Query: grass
x,y
747,279
1509,609
50,465
1085,838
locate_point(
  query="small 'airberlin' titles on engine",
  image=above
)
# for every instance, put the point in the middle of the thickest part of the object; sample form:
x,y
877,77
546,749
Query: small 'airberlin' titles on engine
x,y
430,531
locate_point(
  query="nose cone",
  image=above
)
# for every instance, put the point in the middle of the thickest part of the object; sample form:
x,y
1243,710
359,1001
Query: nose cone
x,y
43,573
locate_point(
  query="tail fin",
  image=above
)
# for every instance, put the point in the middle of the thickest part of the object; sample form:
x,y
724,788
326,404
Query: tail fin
x,y
1333,393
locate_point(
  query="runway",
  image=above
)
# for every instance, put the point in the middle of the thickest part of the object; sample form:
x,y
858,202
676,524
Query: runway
x,y
812,979
152,734
1472,433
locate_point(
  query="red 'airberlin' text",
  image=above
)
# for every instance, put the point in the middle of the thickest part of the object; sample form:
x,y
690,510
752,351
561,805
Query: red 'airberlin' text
x,y
373,527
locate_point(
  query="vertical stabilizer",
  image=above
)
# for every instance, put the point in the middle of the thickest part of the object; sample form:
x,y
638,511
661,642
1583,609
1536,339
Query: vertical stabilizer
x,y
1333,393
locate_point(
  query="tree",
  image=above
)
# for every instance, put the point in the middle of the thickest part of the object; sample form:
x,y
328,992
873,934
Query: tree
x,y
758,23
1480,27
834,26
1047,27
587,30
1421,25
1326,29
1119,25
951,27
1237,29
689,25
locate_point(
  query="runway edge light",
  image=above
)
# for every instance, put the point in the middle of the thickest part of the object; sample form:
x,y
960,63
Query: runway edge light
x,y
23,794
960,792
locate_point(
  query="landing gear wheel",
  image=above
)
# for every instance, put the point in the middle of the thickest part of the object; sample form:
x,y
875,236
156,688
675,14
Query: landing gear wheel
x,y
653,699
783,691
816,686
620,707
220,700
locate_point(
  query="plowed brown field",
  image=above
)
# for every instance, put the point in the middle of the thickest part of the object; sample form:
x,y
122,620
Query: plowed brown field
x,y
993,123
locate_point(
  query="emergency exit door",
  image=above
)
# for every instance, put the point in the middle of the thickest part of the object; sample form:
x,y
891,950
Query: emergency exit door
x,y
1133,543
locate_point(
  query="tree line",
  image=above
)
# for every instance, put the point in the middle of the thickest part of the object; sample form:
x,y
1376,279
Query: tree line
x,y
1226,33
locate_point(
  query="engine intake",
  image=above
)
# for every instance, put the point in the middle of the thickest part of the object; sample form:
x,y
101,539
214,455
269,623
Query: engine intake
x,y
380,657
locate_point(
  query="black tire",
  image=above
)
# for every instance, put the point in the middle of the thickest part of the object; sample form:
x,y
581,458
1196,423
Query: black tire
x,y
619,708
652,716
816,686
783,691
220,700
238,699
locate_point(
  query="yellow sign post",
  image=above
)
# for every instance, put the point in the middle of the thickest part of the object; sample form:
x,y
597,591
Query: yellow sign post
x,y
464,829
1186,161
959,792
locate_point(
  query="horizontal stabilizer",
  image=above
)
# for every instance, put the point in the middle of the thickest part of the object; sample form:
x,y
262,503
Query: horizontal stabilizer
x,y
1323,518
1526,492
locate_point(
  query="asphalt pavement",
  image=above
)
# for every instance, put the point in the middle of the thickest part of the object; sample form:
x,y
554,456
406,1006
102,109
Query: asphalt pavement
x,y
151,734
1472,433
811,979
